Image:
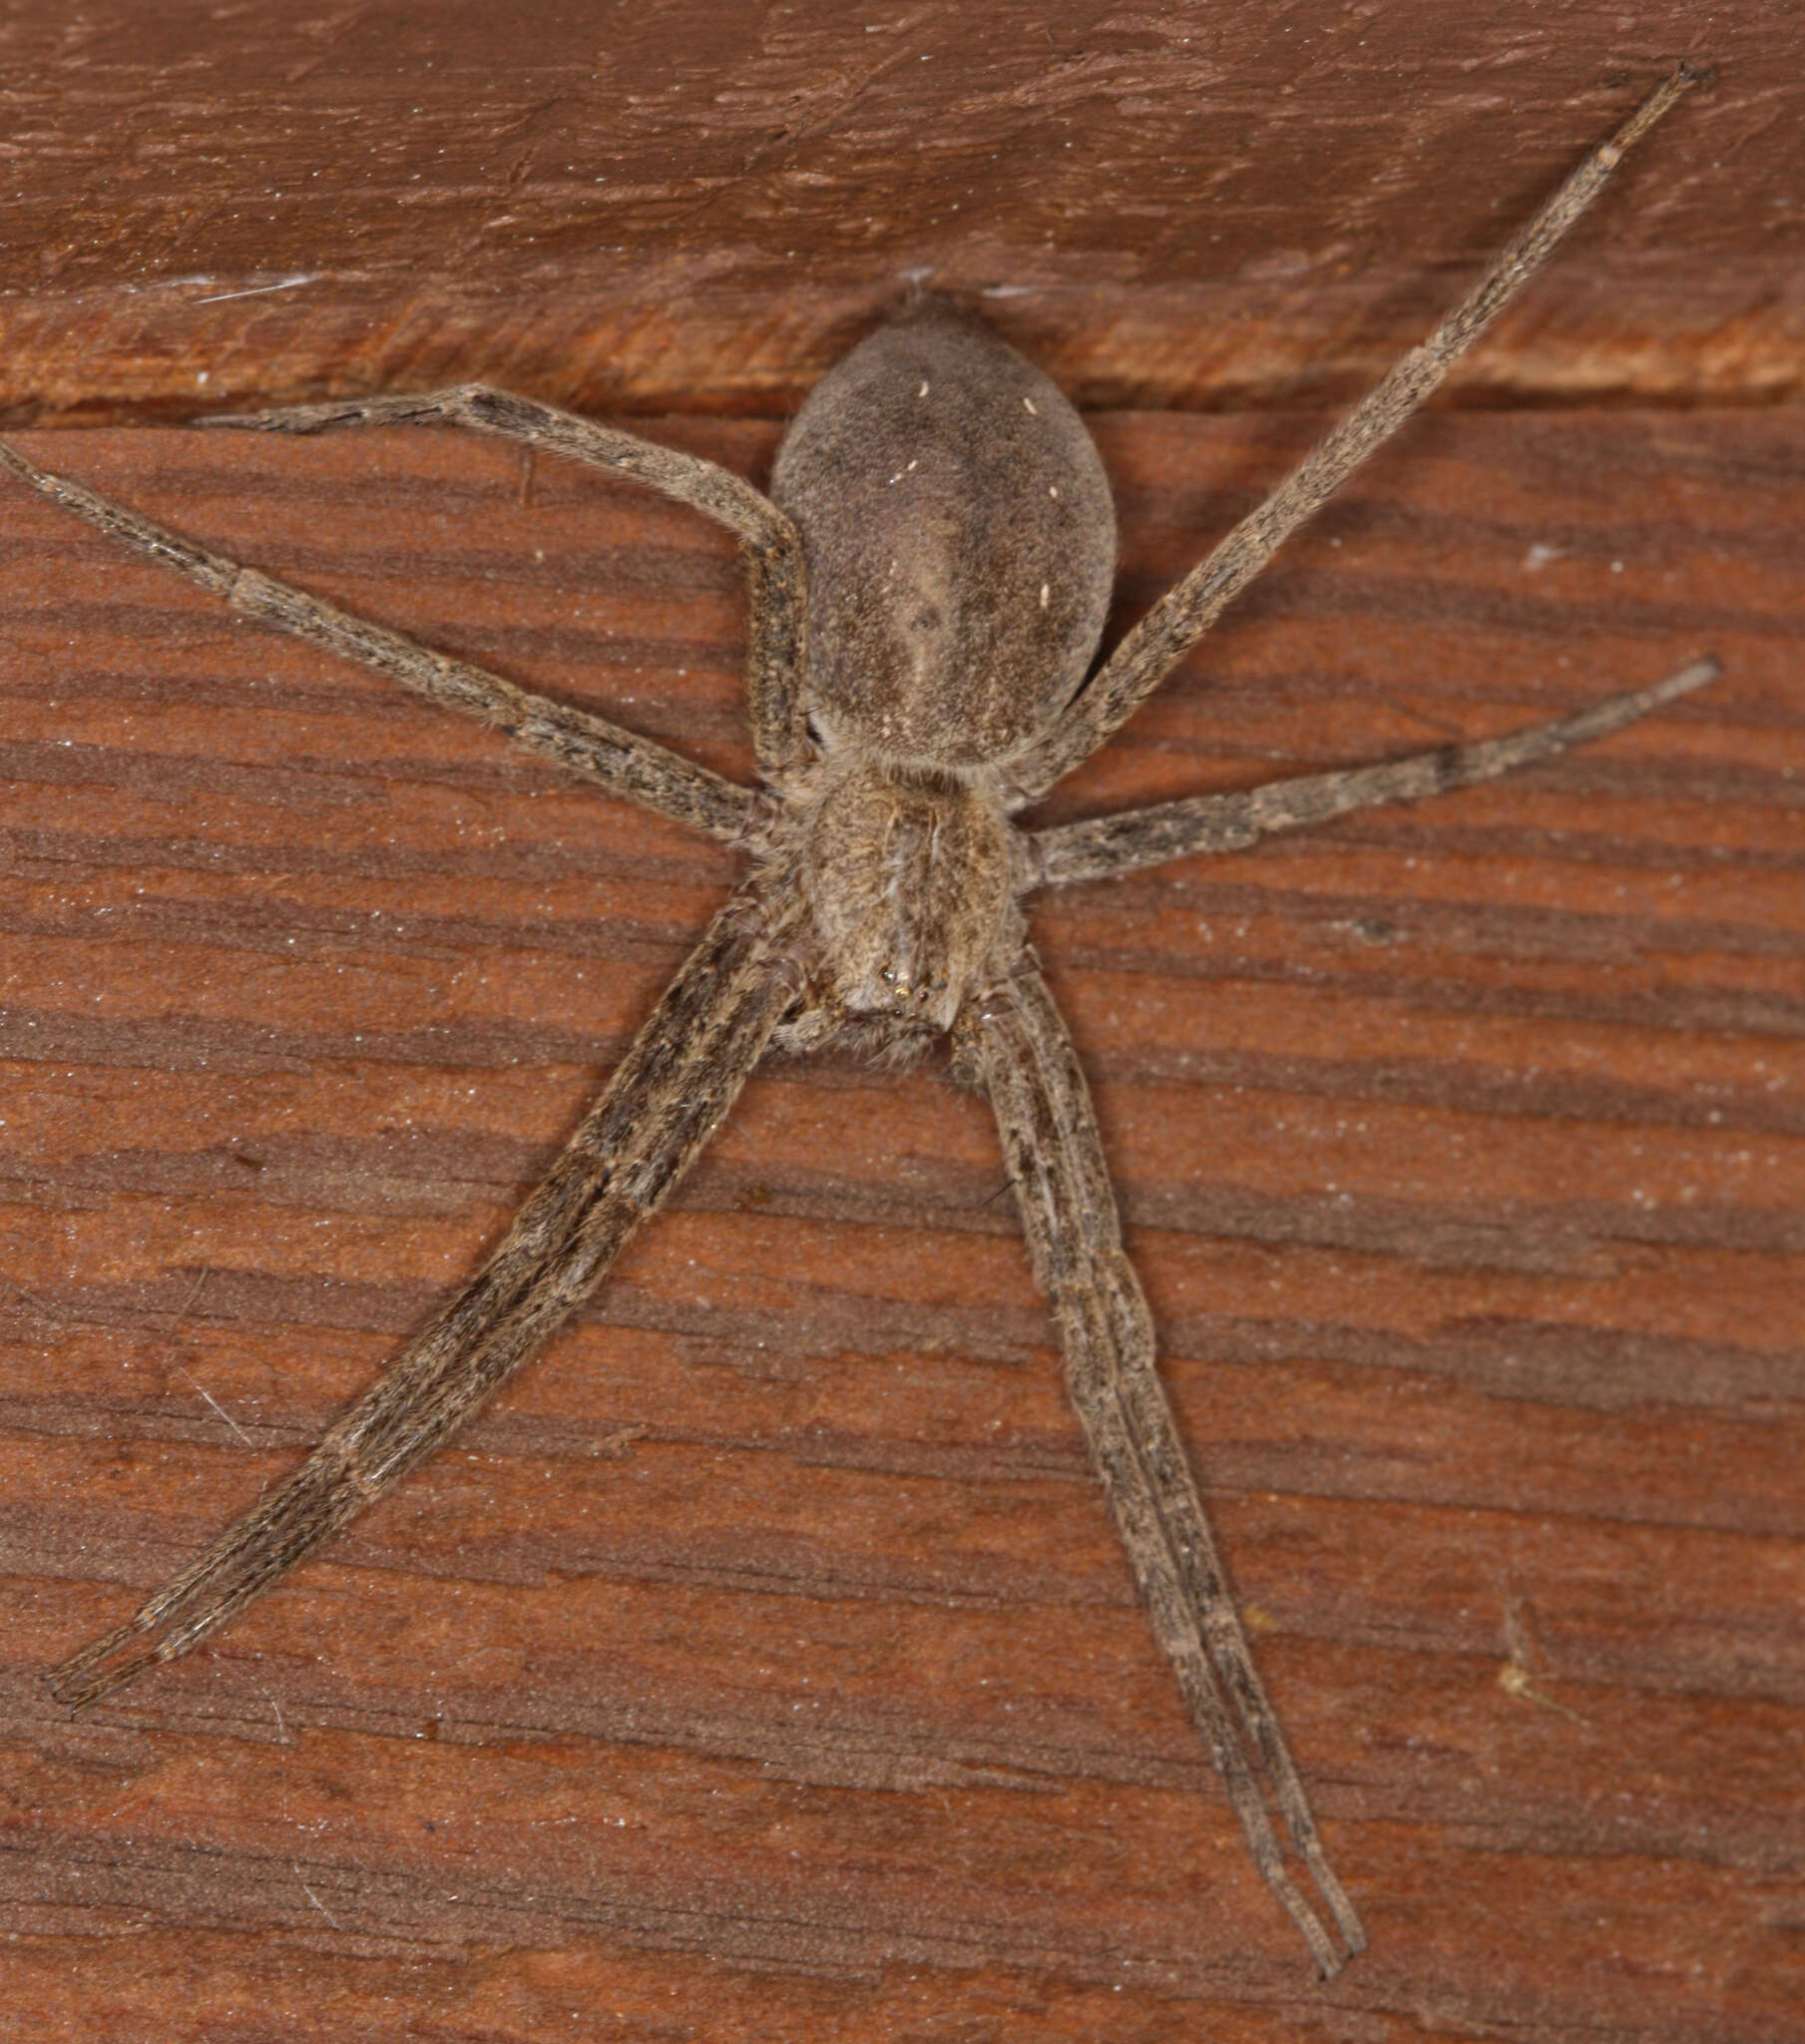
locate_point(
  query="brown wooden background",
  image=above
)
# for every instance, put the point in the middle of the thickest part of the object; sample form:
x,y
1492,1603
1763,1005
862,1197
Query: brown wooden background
x,y
762,1665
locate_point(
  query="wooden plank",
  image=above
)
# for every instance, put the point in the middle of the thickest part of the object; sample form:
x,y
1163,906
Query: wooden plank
x,y
762,1665
695,207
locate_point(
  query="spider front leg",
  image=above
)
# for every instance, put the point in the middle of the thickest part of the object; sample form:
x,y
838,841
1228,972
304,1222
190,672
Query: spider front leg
x,y
1015,1043
680,1075
1103,845
775,578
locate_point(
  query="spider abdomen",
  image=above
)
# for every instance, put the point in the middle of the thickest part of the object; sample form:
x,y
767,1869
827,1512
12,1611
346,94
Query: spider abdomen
x,y
960,540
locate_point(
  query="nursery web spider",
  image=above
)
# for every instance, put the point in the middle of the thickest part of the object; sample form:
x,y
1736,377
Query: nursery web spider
x,y
928,583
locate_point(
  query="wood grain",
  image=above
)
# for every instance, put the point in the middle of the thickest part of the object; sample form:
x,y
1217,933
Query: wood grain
x,y
698,205
763,1664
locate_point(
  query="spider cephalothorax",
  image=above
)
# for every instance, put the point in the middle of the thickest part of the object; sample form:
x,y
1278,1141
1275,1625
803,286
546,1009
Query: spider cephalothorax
x,y
926,595
910,880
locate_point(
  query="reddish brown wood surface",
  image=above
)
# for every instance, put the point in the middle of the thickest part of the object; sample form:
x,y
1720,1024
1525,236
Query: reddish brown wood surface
x,y
695,204
763,1663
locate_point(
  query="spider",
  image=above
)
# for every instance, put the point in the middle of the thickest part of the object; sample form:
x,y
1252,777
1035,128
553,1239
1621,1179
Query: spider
x,y
928,583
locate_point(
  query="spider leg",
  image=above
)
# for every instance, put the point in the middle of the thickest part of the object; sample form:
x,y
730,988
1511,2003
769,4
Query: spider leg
x,y
1182,615
587,744
775,576
667,1097
1103,845
1018,1043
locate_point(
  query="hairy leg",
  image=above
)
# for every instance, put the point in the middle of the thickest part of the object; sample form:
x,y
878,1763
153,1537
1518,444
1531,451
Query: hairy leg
x,y
776,580
1017,1045
1103,845
621,760
1182,615
667,1097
